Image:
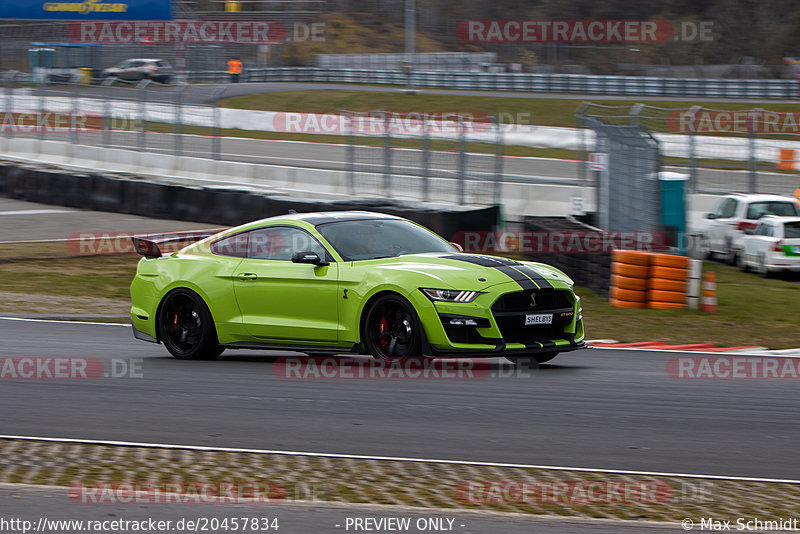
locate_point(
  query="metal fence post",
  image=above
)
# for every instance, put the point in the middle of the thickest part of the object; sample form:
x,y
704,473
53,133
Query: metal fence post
x,y
350,153
581,126
693,149
141,140
635,112
42,107
387,156
498,160
108,122
752,126
217,128
10,77
178,131
462,160
73,129
426,159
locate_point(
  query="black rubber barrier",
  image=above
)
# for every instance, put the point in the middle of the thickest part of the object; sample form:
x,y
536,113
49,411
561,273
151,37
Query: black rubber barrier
x,y
214,205
587,269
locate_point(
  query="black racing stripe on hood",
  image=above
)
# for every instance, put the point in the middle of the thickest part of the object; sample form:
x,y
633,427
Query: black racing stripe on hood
x,y
506,266
518,277
483,261
540,280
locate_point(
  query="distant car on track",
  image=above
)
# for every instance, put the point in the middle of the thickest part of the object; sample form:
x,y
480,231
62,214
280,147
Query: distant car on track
x,y
133,70
773,246
736,213
356,282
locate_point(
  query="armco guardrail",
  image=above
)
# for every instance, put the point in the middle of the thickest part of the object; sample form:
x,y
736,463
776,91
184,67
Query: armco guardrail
x,y
588,84
536,83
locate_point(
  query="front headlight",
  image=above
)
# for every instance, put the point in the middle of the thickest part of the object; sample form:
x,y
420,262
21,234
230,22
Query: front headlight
x,y
451,295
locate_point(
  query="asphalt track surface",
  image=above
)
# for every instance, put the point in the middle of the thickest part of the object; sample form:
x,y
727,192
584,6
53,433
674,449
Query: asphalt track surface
x,y
31,504
609,409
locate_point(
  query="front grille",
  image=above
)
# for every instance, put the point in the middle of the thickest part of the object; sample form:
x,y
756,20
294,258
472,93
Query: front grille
x,y
514,330
509,312
546,299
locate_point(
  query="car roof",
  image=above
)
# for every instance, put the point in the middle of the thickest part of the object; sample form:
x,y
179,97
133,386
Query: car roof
x,y
322,217
756,197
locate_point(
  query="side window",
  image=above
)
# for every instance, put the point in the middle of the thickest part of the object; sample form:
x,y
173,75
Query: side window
x,y
728,209
280,242
761,229
233,245
719,207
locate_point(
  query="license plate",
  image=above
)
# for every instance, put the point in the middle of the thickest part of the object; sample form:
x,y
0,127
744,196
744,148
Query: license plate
x,y
538,318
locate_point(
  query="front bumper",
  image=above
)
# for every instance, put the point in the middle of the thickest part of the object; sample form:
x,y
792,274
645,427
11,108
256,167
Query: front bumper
x,y
499,331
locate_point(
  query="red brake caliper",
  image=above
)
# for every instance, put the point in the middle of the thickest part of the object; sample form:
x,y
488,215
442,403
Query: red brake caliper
x,y
383,328
175,320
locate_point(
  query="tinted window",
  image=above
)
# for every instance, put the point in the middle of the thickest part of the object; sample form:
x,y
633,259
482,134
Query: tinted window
x,y
791,230
756,210
280,242
728,208
234,245
761,229
370,239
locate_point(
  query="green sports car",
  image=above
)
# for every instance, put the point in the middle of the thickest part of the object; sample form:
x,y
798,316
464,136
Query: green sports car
x,y
356,282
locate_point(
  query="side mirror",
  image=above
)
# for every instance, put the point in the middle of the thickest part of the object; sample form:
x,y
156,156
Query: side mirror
x,y
458,247
710,216
308,257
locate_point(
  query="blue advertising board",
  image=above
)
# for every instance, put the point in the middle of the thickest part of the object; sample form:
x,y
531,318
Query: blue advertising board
x,y
86,10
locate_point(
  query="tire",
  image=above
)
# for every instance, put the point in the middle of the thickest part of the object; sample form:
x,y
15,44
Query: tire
x,y
528,361
666,296
731,256
627,304
669,273
705,249
624,282
762,267
392,330
631,271
628,294
186,327
632,257
663,284
674,262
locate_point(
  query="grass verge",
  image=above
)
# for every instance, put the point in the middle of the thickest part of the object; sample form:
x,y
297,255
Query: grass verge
x,y
750,311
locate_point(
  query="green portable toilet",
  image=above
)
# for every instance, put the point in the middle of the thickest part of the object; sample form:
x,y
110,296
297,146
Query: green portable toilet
x,y
673,207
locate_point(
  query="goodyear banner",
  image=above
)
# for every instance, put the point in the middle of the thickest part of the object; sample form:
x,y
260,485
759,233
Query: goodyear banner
x,y
86,9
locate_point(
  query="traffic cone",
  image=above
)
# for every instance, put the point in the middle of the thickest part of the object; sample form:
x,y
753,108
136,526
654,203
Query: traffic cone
x,y
709,302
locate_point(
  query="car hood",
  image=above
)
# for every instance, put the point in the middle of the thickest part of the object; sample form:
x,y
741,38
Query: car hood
x,y
473,272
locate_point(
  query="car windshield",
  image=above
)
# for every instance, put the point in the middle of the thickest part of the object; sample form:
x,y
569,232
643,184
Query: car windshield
x,y
791,229
371,239
756,210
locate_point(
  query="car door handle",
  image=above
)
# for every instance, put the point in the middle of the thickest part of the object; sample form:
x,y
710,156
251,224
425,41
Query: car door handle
x,y
247,276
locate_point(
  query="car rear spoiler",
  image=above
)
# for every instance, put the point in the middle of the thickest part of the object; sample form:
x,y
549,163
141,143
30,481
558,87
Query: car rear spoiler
x,y
150,246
